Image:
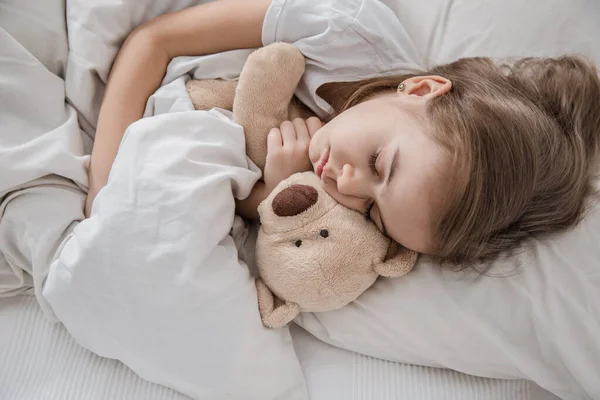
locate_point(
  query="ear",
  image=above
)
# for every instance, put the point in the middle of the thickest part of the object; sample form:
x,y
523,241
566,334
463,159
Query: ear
x,y
427,87
401,262
274,317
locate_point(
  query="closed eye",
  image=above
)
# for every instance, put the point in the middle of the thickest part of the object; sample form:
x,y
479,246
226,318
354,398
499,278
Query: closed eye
x,y
373,163
367,213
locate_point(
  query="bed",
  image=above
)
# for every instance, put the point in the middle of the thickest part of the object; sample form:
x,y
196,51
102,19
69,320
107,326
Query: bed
x,y
57,67
41,361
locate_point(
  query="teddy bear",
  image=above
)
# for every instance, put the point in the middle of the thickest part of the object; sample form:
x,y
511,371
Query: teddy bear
x,y
312,253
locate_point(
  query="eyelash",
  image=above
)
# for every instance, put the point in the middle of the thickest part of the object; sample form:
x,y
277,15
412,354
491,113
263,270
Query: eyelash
x,y
372,163
368,212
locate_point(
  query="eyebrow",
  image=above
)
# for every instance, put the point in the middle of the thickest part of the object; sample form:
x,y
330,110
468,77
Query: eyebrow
x,y
390,176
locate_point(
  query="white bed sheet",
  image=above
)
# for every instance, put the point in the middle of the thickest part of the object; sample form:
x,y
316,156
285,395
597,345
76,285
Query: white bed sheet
x,y
41,361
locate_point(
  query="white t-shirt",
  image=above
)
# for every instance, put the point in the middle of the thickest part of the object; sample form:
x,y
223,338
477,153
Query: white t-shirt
x,y
342,40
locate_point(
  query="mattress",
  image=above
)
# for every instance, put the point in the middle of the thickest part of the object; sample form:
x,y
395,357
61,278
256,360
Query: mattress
x,y
41,361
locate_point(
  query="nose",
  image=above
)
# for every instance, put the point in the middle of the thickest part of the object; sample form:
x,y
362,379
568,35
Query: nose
x,y
351,189
350,183
294,200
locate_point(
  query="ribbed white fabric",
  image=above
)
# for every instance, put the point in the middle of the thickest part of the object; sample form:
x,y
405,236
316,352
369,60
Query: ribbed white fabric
x,y
40,361
384,380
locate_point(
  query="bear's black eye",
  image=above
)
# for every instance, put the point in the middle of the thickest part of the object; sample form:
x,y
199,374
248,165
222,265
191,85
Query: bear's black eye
x,y
298,243
324,233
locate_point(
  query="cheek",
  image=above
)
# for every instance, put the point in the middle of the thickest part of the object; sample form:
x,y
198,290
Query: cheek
x,y
411,228
411,216
317,145
313,150
344,147
351,202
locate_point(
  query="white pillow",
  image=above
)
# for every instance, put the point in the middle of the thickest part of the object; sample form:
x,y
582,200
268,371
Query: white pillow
x,y
543,322
445,30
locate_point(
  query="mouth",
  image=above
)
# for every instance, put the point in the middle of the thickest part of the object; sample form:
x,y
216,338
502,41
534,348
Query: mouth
x,y
322,164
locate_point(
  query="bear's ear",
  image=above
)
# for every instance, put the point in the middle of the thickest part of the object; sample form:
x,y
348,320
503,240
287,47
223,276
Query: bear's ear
x,y
400,262
271,316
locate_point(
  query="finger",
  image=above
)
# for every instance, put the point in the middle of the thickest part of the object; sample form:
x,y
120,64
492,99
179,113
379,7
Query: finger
x,y
288,132
274,140
313,124
301,130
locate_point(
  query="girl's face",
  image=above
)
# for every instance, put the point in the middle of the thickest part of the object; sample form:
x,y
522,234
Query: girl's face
x,y
378,158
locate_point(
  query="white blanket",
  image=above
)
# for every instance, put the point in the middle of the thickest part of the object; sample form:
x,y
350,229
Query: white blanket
x,y
153,277
42,153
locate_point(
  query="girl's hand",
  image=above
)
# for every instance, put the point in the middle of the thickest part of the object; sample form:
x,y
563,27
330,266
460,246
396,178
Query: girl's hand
x,y
287,150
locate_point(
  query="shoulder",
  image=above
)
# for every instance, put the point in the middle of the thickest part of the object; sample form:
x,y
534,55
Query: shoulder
x,y
342,41
369,27
294,20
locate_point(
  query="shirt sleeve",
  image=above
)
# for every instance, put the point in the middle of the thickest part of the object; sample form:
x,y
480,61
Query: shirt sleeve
x,y
342,40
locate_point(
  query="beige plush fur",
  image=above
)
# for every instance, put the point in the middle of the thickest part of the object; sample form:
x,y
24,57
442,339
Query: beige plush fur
x,y
262,99
313,254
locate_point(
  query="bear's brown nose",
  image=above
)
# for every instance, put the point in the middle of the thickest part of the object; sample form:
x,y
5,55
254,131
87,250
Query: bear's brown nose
x,y
294,200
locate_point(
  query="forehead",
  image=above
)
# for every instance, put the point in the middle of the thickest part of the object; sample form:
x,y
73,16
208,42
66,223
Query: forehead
x,y
371,112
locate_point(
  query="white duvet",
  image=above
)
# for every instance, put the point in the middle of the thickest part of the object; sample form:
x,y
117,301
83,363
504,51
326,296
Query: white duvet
x,y
153,277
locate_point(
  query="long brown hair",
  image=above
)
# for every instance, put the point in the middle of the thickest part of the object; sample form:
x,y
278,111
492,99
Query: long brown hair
x,y
524,141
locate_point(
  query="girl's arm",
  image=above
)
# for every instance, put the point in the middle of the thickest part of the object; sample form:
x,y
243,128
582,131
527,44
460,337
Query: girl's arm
x,y
142,62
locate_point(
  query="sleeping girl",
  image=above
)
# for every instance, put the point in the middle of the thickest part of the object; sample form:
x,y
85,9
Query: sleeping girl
x,y
463,161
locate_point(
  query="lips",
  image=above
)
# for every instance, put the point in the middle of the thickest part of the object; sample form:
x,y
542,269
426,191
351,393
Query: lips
x,y
322,164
